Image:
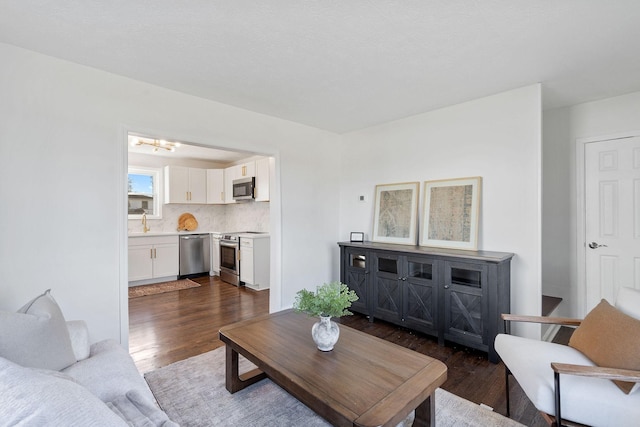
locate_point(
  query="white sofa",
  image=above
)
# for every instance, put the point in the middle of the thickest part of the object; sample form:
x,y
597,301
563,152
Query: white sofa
x,y
592,401
51,376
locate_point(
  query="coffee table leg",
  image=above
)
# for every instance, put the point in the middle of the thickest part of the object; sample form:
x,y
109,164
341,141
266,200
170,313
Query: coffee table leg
x,y
233,380
426,412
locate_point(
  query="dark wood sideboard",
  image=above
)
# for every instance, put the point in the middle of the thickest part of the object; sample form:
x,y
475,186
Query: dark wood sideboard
x,y
454,295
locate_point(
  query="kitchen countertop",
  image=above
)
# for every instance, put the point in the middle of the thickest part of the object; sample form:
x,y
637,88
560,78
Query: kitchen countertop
x,y
180,233
169,233
253,235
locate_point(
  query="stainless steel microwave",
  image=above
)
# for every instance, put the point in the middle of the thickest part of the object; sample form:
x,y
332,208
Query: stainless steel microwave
x,y
243,188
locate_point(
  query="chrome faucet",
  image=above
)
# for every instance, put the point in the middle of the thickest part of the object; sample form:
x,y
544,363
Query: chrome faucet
x,y
144,223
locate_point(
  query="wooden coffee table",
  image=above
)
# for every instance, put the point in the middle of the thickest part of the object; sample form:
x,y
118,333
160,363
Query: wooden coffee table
x,y
363,381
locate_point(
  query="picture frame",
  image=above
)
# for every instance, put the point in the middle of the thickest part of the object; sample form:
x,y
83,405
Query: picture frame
x,y
356,236
451,212
396,213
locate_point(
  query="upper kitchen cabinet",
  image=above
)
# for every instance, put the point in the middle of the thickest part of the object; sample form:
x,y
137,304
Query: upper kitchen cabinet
x,y
230,174
260,169
215,186
185,185
246,170
261,191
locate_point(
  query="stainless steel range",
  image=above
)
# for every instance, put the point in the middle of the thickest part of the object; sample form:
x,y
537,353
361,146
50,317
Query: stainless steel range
x,y
230,258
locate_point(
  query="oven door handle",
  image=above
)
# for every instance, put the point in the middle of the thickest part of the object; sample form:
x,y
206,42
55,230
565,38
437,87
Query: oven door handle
x,y
228,244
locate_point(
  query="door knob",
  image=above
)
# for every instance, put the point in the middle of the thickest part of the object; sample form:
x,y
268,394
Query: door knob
x,y
594,245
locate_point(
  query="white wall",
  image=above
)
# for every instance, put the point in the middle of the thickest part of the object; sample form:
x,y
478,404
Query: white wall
x,y
63,182
556,208
605,118
497,138
63,173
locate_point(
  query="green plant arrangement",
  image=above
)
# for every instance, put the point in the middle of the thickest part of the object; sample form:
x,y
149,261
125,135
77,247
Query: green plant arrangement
x,y
330,299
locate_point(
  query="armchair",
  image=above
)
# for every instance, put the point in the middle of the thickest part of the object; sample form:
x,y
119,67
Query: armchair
x,y
562,380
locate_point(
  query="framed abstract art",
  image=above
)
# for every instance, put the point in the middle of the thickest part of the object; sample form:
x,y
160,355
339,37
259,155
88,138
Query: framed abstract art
x,y
396,213
450,214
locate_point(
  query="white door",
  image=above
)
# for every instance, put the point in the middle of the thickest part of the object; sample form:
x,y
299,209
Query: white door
x,y
612,222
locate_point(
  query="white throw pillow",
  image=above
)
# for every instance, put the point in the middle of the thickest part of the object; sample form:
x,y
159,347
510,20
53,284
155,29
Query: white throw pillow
x,y
36,336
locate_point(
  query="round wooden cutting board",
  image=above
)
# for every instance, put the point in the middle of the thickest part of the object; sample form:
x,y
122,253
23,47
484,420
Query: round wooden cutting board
x,y
187,222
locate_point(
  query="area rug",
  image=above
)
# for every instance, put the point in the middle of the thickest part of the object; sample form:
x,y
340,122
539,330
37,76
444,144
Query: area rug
x,y
160,288
193,394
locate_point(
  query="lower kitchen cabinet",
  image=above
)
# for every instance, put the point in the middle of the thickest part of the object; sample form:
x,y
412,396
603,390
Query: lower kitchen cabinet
x,y
153,259
254,261
453,295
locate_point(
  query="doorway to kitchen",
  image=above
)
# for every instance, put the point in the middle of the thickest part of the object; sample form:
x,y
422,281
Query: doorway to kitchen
x,y
155,168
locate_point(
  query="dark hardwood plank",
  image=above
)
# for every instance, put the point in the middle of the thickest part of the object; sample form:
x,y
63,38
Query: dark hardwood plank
x,y
173,326
169,327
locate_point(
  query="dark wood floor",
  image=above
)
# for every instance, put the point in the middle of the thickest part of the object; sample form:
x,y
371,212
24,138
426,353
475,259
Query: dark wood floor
x,y
169,327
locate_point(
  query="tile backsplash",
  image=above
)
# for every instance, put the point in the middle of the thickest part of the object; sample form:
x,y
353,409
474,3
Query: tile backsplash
x,y
250,216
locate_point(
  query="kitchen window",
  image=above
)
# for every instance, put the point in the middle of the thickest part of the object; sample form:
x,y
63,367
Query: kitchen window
x,y
143,192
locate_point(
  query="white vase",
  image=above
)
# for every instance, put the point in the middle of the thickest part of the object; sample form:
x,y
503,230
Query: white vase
x,y
325,333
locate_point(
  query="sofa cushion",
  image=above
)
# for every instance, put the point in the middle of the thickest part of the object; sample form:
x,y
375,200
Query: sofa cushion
x,y
610,339
30,397
36,336
109,372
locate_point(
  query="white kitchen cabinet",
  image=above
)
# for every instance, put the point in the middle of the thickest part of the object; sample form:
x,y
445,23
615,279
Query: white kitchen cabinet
x,y
153,259
215,186
263,171
185,185
254,261
230,174
215,254
246,261
247,169
243,170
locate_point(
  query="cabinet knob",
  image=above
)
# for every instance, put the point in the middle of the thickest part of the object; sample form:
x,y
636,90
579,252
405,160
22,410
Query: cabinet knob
x,y
446,286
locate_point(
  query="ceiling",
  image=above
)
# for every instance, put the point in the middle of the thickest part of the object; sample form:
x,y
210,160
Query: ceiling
x,y
186,150
344,65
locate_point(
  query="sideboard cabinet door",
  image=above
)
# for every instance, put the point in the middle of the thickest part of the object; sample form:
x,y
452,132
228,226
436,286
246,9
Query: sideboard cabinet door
x,y
420,297
387,286
465,303
355,274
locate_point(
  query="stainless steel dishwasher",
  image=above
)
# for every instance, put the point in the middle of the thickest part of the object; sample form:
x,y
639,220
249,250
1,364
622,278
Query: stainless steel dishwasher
x,y
195,254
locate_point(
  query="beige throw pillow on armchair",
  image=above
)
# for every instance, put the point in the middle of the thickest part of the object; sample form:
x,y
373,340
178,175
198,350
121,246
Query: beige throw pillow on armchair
x,y
611,339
